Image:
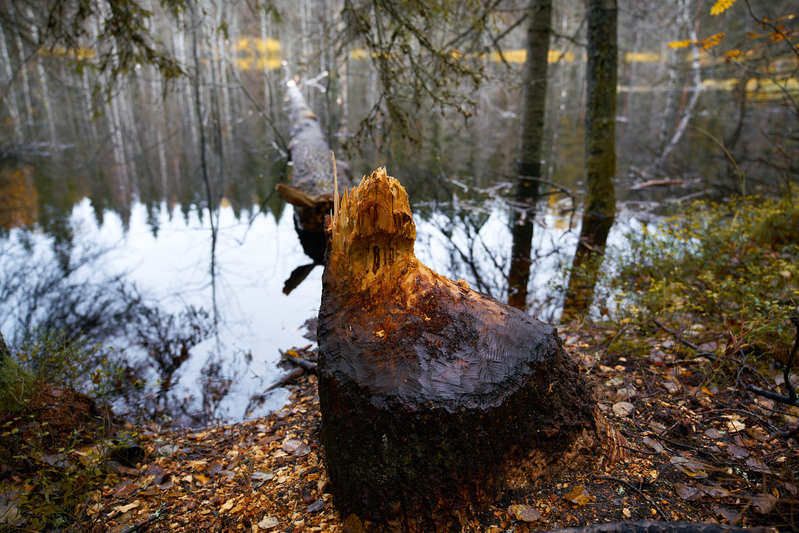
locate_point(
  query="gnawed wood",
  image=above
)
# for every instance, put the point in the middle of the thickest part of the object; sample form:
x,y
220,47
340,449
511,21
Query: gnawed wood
x,y
434,396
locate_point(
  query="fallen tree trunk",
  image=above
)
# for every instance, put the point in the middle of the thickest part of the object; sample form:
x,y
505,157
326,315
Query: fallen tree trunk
x,y
311,188
434,397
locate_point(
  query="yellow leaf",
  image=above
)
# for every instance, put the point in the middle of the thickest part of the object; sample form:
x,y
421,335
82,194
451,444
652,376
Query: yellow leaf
x,y
680,44
721,6
732,54
579,496
713,40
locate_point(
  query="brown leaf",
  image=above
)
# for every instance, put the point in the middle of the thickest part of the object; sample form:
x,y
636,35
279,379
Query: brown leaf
x,y
124,489
764,502
688,492
714,491
655,445
623,408
757,465
578,495
737,451
524,513
728,515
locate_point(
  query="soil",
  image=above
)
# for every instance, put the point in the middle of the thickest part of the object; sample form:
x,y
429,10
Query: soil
x,y
698,451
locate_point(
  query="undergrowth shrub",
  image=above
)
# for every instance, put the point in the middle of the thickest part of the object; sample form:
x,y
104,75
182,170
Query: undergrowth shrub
x,y
728,270
53,439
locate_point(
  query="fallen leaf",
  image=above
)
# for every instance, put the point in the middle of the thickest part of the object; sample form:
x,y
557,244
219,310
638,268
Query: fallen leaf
x,y
215,468
655,445
689,466
228,505
728,515
126,508
626,512
714,433
757,465
315,506
268,522
737,451
687,492
764,502
578,495
295,447
714,491
524,513
623,408
262,476
124,489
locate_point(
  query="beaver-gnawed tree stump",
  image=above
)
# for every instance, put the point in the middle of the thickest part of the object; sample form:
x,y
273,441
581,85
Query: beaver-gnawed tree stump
x,y
433,396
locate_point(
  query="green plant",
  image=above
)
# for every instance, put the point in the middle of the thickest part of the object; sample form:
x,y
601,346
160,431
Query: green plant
x,y
53,438
732,268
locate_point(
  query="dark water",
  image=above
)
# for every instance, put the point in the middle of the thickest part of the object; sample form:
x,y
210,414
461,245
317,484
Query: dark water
x,y
129,181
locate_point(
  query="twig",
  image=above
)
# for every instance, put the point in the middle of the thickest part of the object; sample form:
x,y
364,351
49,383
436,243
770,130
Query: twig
x,y
634,488
771,395
684,341
790,399
300,362
288,378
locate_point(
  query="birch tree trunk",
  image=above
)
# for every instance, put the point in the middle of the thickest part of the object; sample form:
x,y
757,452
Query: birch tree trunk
x,y
13,108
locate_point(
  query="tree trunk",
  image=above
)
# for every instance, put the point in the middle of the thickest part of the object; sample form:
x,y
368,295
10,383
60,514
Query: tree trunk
x,y
5,353
539,13
311,189
434,398
600,155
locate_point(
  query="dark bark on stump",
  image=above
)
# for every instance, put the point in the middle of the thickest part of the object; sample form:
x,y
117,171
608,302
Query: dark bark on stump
x,y
432,394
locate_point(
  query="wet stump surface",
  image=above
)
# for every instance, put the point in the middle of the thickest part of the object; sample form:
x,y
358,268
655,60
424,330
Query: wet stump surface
x,y
433,396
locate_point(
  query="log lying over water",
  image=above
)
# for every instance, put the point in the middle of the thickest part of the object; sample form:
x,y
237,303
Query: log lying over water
x,y
311,189
433,396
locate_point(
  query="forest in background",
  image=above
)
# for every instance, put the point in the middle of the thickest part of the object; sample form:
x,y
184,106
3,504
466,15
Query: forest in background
x,y
177,106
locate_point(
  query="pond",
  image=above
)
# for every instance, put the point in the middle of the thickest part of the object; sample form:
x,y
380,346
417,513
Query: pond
x,y
120,193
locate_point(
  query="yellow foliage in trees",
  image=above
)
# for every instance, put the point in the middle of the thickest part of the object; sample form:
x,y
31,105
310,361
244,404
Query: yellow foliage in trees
x,y
680,44
732,54
721,6
710,42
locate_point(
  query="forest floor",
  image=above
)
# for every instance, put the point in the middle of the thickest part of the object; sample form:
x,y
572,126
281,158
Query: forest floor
x,y
698,450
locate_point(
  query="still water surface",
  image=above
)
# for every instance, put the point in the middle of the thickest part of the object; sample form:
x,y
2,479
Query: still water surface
x,y
129,180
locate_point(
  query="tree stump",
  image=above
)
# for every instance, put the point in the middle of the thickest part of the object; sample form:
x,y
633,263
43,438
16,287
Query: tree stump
x,y
434,397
